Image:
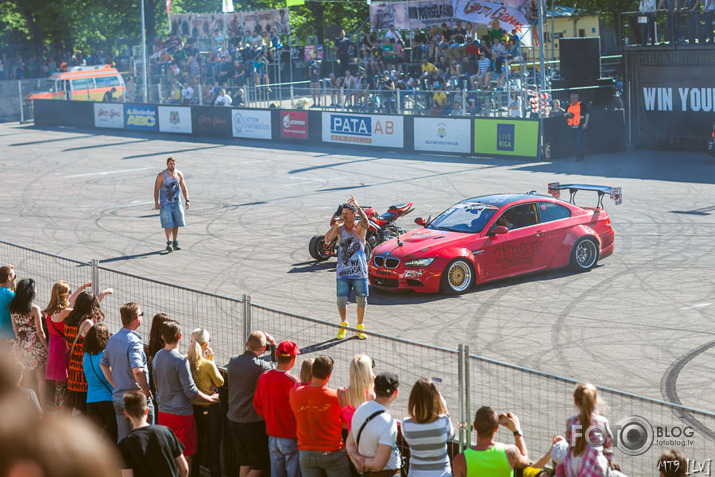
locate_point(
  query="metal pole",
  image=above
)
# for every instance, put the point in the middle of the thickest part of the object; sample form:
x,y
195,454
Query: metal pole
x,y
22,109
553,30
95,276
290,52
460,395
145,79
467,387
246,317
630,117
541,44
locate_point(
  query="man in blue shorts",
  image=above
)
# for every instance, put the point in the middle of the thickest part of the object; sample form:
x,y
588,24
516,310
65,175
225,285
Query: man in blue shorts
x,y
167,201
351,270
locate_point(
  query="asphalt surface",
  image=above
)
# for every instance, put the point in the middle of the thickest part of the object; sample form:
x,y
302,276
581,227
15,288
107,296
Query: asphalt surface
x,y
641,321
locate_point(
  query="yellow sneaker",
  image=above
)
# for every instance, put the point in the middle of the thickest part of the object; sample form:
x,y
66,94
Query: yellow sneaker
x,y
361,336
341,332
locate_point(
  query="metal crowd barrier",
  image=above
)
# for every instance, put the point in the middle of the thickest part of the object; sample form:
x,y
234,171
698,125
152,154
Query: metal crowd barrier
x,y
542,401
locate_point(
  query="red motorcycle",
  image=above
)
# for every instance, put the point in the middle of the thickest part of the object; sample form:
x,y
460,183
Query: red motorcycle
x,y
380,229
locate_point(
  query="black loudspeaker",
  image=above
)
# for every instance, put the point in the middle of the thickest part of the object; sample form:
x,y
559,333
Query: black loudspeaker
x,y
580,59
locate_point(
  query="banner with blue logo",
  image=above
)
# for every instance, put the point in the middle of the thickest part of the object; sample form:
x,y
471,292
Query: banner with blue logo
x,y
506,137
364,129
443,135
141,117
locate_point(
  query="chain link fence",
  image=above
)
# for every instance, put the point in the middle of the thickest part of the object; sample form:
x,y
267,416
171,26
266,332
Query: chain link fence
x,y
643,427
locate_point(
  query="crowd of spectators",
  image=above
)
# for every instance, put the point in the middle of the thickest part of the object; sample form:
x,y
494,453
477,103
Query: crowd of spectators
x,y
160,406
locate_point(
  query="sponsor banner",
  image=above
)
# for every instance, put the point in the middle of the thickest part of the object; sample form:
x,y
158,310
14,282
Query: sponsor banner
x,y
175,119
363,129
211,121
424,14
675,100
140,117
411,15
108,115
483,13
443,135
506,137
252,124
294,124
232,24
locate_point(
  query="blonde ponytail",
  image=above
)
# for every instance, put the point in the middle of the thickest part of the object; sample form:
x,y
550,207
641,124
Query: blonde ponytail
x,y
198,337
585,396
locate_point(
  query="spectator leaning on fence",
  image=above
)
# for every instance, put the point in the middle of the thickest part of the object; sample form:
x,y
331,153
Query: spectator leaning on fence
x,y
31,340
427,431
319,424
272,404
247,427
125,365
100,406
208,416
176,390
372,443
490,457
7,293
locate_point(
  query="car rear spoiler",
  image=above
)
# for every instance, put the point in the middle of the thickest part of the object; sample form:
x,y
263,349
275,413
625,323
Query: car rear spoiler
x,y
615,193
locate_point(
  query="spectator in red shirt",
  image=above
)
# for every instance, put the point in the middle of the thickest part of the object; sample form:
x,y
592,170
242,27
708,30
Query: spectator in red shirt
x,y
271,403
319,424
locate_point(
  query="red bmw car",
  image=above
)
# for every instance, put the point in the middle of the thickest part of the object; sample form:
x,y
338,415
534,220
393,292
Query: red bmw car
x,y
496,236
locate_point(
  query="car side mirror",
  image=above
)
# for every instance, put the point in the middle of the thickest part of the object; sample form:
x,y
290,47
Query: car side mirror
x,y
499,229
420,221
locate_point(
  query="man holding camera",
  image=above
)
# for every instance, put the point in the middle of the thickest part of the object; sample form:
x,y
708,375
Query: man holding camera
x,y
490,457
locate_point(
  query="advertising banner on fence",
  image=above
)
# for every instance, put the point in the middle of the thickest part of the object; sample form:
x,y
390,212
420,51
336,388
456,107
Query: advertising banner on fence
x,y
506,137
363,129
232,24
483,13
175,119
141,117
294,124
108,115
253,124
411,15
444,135
675,100
211,121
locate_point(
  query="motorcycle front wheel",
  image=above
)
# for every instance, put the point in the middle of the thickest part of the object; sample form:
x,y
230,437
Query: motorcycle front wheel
x,y
316,248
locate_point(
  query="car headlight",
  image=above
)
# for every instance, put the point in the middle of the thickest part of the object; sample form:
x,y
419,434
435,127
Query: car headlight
x,y
419,262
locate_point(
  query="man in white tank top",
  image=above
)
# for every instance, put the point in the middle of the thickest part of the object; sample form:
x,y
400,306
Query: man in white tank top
x,y
351,270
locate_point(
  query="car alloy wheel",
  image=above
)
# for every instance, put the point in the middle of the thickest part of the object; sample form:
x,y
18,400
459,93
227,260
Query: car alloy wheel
x,y
585,254
458,277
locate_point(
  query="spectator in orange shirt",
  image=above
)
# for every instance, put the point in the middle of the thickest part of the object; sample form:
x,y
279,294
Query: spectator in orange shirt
x,y
271,403
319,424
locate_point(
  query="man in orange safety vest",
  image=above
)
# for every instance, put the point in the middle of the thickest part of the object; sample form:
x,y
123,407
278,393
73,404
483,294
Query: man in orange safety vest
x,y
577,116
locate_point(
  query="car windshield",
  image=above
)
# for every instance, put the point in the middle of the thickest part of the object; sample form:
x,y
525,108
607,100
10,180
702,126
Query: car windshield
x,y
466,217
47,85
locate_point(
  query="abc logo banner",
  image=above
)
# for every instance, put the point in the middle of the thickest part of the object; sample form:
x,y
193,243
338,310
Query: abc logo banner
x,y
140,117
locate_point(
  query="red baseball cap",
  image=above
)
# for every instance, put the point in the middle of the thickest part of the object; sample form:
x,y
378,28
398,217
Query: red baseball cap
x,y
287,348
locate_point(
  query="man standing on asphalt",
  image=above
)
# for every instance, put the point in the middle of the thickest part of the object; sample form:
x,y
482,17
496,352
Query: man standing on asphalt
x,y
319,422
7,293
577,116
372,442
167,201
490,457
342,48
351,269
247,427
124,364
272,404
